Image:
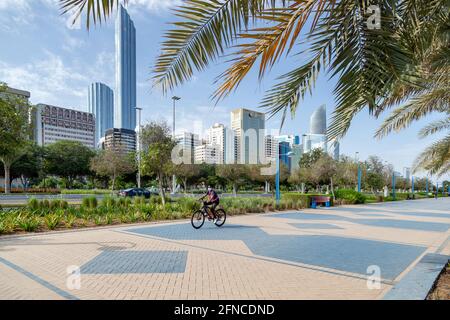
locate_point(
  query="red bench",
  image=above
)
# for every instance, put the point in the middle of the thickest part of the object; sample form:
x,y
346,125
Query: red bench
x,y
315,200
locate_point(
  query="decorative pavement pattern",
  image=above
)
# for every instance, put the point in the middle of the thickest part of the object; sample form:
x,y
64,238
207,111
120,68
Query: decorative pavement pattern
x,y
327,253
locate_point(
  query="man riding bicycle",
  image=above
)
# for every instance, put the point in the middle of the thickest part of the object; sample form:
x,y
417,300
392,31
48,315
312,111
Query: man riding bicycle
x,y
213,202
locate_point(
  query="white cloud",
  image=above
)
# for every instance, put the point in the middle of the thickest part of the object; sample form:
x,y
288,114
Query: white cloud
x,y
14,5
155,5
49,80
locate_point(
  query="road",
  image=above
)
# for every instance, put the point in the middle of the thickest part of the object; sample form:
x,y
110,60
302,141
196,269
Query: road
x,y
377,251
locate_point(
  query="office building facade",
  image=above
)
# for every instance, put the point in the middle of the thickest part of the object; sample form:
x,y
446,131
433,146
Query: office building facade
x,y
125,95
284,150
119,140
54,124
249,128
101,104
187,142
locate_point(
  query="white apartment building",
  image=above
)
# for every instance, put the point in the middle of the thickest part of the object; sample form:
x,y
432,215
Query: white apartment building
x,y
271,147
209,154
54,124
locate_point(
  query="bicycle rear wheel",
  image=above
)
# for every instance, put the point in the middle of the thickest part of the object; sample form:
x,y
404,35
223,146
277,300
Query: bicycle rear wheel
x,y
198,219
221,217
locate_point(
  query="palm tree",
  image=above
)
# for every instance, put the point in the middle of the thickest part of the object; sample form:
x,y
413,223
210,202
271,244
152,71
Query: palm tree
x,y
377,66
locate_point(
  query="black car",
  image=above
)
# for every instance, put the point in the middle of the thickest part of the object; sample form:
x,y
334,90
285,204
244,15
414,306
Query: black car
x,y
135,192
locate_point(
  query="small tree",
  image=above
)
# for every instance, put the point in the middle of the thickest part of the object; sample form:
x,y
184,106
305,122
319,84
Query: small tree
x,y
28,166
112,164
14,131
234,173
323,171
157,146
185,172
67,159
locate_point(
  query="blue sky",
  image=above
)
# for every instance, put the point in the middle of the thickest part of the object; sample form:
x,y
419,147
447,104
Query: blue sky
x,y
41,54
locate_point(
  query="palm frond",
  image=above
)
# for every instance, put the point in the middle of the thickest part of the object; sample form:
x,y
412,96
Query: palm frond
x,y
269,43
435,159
367,61
206,29
437,100
434,127
97,11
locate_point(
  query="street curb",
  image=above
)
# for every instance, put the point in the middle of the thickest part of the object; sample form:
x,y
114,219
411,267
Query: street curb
x,y
418,282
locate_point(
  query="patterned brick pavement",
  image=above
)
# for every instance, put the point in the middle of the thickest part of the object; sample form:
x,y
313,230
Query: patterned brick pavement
x,y
312,254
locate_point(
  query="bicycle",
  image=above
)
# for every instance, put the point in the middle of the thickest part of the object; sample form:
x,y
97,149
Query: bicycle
x,y
199,216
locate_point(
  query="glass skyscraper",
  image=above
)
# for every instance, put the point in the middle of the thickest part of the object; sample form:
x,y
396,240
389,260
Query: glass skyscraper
x,y
101,104
125,98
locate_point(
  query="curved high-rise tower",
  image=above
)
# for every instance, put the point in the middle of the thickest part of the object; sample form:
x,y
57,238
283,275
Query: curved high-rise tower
x,y
101,104
125,102
318,121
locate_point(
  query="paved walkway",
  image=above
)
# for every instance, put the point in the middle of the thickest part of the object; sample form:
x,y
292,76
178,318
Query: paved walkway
x,y
329,253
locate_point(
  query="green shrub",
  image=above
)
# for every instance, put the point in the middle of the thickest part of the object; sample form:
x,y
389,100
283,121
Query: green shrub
x,y
349,196
109,218
64,204
44,204
33,204
108,202
85,203
139,201
52,221
2,227
69,220
55,204
93,202
98,220
28,223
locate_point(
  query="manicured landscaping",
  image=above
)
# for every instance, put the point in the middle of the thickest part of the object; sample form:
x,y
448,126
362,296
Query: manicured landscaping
x,y
45,215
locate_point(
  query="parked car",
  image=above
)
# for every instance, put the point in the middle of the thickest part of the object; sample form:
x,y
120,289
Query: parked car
x,y
135,192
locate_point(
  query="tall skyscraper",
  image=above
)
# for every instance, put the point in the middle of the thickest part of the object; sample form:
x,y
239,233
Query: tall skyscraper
x,y
318,121
125,98
317,136
249,127
101,104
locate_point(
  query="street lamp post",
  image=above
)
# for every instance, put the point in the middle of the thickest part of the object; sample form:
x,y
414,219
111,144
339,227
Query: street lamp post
x,y
174,178
139,146
359,172
277,177
393,185
412,184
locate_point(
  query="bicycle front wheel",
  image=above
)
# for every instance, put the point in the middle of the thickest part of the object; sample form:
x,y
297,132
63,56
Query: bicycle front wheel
x,y
198,219
221,217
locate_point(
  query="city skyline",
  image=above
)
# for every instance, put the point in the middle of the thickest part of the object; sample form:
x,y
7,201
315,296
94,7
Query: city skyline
x,y
79,58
